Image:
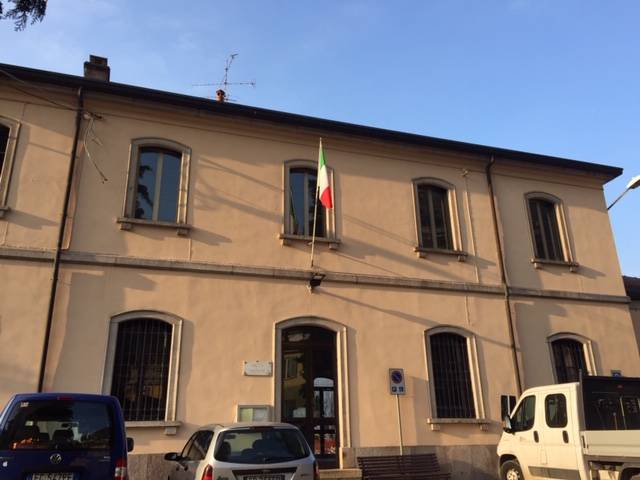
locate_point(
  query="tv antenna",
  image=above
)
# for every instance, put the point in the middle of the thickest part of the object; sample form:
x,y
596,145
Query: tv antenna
x,y
223,91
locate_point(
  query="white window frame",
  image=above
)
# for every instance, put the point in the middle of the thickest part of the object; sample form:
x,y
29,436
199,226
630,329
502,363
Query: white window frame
x,y
587,348
454,218
565,243
474,370
330,213
174,361
8,161
127,220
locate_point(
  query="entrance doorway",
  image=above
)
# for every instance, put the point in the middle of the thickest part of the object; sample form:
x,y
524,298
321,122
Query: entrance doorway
x,y
309,381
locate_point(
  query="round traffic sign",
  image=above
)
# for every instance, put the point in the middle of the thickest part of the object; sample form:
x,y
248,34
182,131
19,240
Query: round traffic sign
x,y
396,376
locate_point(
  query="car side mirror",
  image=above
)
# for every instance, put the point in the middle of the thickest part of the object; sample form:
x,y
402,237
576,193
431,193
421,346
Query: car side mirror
x,y
172,457
506,424
130,443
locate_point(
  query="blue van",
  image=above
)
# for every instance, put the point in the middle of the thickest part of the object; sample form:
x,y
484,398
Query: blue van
x,y
63,436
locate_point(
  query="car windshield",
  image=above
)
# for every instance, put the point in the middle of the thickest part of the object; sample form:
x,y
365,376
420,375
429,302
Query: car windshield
x,y
260,445
59,425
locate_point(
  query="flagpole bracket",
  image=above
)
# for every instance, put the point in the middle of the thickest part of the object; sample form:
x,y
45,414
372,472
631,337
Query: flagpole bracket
x,y
315,281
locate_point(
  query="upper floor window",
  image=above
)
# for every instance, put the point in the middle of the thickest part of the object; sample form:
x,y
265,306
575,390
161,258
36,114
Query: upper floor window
x,y
547,228
301,178
8,140
569,359
434,217
158,184
142,365
453,375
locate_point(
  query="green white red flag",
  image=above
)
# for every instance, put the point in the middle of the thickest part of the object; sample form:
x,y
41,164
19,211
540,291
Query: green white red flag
x,y
324,187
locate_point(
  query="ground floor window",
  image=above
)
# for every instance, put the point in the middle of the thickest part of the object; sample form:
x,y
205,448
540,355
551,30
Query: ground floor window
x,y
142,364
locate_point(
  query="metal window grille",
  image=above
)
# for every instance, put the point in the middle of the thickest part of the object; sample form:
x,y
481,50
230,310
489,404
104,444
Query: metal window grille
x,y
568,356
302,200
141,368
451,376
545,228
434,217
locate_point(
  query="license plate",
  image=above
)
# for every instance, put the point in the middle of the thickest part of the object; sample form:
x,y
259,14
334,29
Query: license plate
x,y
52,476
264,477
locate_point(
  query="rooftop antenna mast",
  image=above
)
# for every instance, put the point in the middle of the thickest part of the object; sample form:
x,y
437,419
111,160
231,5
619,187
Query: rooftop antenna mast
x,y
222,92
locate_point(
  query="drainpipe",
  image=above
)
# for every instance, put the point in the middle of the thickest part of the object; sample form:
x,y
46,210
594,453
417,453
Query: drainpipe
x,y
503,277
61,234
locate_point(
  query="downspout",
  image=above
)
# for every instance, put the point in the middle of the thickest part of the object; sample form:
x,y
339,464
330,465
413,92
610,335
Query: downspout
x,y
503,277
61,235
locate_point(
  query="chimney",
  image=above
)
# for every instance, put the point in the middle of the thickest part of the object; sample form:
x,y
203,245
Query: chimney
x,y
97,68
221,95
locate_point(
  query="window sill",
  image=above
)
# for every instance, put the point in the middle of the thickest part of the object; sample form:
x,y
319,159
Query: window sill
x,y
170,427
287,239
126,223
538,263
436,423
4,210
424,252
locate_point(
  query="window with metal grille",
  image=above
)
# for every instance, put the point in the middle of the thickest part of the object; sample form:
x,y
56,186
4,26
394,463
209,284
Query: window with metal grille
x,y
568,357
545,229
301,202
141,368
451,376
434,219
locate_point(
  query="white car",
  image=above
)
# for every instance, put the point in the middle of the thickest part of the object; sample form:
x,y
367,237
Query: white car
x,y
245,451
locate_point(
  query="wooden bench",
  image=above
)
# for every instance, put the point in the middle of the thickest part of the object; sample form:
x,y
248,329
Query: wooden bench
x,y
405,467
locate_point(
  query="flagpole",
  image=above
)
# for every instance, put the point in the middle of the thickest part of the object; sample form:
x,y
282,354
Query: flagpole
x,y
315,208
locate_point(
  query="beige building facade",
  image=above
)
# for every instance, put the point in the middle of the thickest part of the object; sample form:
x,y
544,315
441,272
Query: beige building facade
x,y
181,271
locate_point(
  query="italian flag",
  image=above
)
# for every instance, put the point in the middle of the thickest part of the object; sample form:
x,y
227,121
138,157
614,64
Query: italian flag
x,y
324,189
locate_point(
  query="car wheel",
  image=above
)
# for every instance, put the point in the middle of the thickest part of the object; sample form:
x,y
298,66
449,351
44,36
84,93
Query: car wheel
x,y
510,470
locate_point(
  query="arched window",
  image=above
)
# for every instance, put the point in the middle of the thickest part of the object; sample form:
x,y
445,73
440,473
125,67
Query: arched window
x,y
452,374
546,227
8,140
142,365
158,184
569,359
300,202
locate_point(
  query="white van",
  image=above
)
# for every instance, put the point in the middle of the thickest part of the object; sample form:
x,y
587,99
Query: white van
x,y
582,430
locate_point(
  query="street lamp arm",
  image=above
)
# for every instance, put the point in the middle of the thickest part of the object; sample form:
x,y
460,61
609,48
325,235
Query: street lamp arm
x,y
619,197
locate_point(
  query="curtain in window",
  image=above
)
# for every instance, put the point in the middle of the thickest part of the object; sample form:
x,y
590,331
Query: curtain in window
x,y
545,228
141,368
451,376
568,356
434,217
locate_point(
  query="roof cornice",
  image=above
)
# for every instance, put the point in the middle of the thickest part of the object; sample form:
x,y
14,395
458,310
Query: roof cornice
x,y
291,119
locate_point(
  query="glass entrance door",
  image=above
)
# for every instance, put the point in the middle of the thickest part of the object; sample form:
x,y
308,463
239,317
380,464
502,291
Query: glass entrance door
x,y
309,398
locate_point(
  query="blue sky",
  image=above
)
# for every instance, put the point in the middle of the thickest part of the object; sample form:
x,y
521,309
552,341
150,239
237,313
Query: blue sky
x,y
559,77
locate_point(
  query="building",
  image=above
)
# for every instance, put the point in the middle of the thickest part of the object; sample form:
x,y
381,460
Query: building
x,y
180,279
632,286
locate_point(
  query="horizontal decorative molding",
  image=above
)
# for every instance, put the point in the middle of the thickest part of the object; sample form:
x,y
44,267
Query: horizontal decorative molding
x,y
564,295
32,255
99,259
